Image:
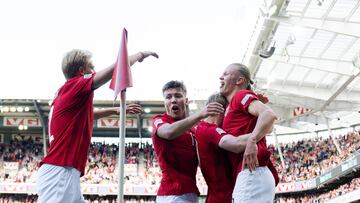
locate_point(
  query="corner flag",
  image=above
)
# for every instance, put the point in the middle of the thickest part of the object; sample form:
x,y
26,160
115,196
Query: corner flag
x,y
121,78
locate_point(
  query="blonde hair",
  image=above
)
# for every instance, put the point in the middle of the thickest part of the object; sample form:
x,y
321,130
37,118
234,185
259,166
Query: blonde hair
x,y
244,71
73,60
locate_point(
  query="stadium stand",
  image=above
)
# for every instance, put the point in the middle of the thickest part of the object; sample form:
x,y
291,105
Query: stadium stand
x,y
20,160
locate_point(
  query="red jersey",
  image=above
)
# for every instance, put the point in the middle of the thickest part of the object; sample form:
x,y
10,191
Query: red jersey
x,y
239,121
214,164
177,160
71,123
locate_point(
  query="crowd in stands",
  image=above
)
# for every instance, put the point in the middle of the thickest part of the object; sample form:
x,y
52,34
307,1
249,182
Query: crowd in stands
x,y
9,198
112,199
309,158
101,164
303,160
310,198
25,154
315,198
21,158
149,155
5,198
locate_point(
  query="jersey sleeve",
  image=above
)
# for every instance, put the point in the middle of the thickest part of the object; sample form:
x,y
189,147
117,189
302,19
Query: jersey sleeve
x,y
243,100
157,122
83,85
75,92
216,134
82,89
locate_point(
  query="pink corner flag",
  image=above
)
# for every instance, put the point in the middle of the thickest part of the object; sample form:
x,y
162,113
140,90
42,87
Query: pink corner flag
x,y
121,78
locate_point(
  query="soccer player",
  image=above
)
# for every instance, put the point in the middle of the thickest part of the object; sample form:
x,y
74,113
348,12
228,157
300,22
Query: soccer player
x,y
174,145
246,114
213,160
70,127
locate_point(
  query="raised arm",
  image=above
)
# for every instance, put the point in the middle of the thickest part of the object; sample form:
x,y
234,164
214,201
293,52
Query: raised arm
x,y
174,130
103,76
140,56
130,109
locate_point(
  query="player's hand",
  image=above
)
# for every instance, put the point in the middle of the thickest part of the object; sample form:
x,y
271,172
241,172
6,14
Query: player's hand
x,y
250,155
212,109
130,109
133,109
145,54
263,98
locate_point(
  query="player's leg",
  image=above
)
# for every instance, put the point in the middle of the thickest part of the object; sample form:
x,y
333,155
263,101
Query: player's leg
x,y
50,183
256,186
58,184
73,187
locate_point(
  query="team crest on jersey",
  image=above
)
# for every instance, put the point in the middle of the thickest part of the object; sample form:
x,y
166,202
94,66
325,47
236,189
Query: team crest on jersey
x,y
157,122
220,131
246,98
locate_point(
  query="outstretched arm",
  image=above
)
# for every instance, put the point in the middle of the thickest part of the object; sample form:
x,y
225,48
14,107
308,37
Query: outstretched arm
x,y
105,75
130,109
174,130
140,56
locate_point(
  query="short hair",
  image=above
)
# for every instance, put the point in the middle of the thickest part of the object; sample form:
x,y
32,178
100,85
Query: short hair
x,y
217,97
73,60
244,71
173,85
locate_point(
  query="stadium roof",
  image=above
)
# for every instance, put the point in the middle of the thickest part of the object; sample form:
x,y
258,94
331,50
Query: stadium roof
x,y
310,77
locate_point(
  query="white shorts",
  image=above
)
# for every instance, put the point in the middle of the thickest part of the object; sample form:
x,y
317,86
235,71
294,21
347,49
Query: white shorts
x,y
57,184
256,186
185,198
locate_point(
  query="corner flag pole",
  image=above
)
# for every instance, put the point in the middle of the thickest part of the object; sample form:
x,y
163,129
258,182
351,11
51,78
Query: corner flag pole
x,y
122,130
121,79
